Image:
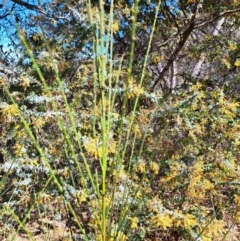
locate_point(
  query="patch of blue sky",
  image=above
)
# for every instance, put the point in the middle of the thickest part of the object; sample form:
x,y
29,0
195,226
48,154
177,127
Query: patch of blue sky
x,y
15,14
173,6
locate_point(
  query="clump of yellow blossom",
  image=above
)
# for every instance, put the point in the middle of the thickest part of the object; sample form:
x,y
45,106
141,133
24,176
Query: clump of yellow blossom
x,y
133,89
134,222
154,167
237,63
232,46
141,167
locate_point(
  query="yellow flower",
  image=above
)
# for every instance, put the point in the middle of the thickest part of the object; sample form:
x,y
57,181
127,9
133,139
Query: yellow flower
x,y
137,131
44,198
115,27
214,231
141,166
18,150
25,81
217,228
92,147
80,196
189,221
237,200
138,194
162,220
237,63
192,135
38,122
227,63
232,46
198,167
154,167
206,238
133,89
215,94
138,90
198,86
157,59
134,222
9,110
237,217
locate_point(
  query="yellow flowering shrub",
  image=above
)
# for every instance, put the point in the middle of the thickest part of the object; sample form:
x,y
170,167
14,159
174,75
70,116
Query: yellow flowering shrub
x,y
116,160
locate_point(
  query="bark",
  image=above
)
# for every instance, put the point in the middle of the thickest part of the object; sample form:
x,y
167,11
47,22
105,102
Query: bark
x,y
174,75
29,6
178,48
198,20
197,68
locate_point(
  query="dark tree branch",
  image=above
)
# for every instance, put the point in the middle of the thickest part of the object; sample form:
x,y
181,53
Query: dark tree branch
x,y
6,14
178,48
216,17
36,8
30,6
197,20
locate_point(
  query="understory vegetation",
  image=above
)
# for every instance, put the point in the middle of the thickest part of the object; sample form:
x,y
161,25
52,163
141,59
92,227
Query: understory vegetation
x,y
120,121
